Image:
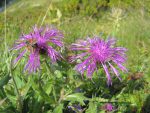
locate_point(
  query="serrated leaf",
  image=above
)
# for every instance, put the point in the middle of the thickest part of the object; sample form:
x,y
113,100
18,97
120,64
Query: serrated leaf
x,y
92,108
59,109
77,97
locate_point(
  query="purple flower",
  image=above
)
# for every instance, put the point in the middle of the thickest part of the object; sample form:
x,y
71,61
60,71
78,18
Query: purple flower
x,y
39,42
108,107
98,52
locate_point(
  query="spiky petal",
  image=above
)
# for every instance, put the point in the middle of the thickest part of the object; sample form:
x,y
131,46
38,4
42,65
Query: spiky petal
x,y
38,42
96,51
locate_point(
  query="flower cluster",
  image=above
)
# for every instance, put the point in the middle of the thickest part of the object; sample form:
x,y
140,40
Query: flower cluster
x,y
98,52
94,52
39,43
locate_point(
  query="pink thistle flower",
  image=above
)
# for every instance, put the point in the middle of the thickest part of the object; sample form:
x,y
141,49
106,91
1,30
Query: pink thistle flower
x,y
39,42
95,52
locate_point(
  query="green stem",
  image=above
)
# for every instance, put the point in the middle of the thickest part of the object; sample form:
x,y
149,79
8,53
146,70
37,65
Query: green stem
x,y
48,67
18,94
52,73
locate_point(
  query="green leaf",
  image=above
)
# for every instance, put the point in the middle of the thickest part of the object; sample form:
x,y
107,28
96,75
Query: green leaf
x,y
59,14
19,81
24,90
49,111
103,111
48,87
59,109
77,97
12,98
58,74
98,99
2,101
40,91
92,108
4,80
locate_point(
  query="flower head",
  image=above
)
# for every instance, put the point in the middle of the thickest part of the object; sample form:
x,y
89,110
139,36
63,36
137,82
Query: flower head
x,y
108,107
39,42
95,52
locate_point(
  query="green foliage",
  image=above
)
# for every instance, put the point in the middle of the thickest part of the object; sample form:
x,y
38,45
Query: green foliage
x,y
58,109
97,7
76,97
92,108
4,80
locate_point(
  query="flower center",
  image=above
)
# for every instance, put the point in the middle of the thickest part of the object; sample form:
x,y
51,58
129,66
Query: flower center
x,y
100,52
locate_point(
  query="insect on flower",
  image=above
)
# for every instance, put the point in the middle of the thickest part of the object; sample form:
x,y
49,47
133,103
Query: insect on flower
x,y
98,52
39,42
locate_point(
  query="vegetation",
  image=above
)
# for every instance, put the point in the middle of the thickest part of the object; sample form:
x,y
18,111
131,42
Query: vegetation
x,y
64,90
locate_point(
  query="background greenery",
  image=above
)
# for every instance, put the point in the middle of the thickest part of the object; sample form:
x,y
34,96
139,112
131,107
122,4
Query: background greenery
x,y
53,92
